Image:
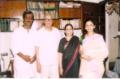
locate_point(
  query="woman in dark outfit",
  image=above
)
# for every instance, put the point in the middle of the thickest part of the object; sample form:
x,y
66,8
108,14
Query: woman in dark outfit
x,y
69,59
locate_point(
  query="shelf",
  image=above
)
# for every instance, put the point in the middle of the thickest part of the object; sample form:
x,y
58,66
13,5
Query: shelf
x,y
57,10
8,24
49,9
41,7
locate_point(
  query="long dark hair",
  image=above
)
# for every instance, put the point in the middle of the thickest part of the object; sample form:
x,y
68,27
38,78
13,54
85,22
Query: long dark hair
x,y
84,31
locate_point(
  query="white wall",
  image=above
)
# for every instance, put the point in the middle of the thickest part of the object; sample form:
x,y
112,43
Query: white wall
x,y
112,31
5,41
5,45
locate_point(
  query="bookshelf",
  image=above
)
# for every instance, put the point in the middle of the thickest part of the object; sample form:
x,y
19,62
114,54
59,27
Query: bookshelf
x,y
40,8
9,24
62,12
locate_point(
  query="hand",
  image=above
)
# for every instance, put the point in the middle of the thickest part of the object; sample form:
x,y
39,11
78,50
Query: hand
x,y
27,58
38,67
86,57
33,59
61,71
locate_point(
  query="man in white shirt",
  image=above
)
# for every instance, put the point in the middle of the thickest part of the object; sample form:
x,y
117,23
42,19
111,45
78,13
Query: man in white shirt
x,y
23,48
48,38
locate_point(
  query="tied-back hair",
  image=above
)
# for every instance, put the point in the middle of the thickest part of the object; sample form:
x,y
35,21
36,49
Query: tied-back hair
x,y
84,32
67,26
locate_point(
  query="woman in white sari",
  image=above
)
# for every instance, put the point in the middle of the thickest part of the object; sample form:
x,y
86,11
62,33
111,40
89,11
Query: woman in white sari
x,y
93,53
